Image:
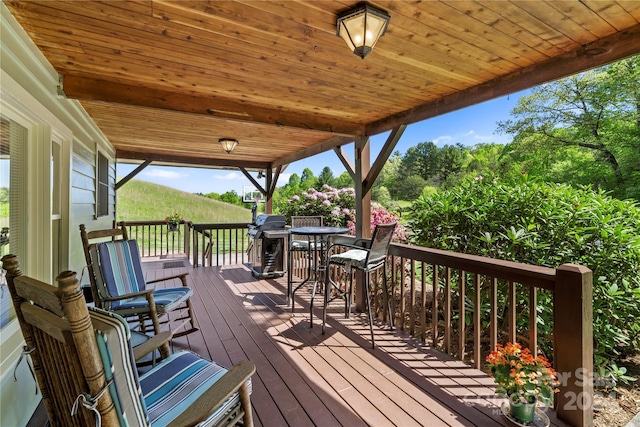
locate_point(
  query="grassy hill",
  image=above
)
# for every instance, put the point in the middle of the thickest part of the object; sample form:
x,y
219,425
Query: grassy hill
x,y
144,201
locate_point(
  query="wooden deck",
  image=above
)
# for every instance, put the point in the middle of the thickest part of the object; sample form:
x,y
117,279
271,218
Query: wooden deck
x,y
305,378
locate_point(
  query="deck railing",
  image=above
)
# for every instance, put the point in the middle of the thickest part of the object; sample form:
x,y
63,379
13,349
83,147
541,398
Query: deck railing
x,y
202,244
440,295
155,239
220,244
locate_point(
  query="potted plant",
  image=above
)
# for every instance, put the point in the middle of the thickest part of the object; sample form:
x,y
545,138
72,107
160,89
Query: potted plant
x,y
523,378
173,221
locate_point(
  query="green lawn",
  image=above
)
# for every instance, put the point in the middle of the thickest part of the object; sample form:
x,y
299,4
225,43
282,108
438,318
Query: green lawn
x,y
144,201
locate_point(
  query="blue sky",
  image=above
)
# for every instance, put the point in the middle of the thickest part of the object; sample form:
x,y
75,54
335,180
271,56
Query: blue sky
x,y
470,126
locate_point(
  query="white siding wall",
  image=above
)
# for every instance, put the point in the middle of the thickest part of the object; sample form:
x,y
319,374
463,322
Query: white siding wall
x,y
28,93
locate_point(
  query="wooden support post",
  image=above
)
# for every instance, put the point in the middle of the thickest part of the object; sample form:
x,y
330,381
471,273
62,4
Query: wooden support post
x,y
363,209
573,343
268,207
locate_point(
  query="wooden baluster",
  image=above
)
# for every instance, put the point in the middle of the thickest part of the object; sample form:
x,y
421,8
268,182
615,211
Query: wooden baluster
x,y
493,323
461,314
512,312
447,311
412,298
477,311
434,304
533,320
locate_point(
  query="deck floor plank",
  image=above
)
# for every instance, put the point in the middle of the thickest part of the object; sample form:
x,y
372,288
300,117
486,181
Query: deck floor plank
x,y
304,378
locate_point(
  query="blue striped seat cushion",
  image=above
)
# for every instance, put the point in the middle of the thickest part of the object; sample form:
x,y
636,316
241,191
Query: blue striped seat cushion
x,y
173,385
120,267
166,300
113,338
121,273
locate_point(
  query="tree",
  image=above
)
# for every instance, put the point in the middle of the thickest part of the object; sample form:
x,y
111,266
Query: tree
x,y
388,175
450,160
381,195
307,180
344,181
593,118
325,178
231,197
294,180
422,160
410,187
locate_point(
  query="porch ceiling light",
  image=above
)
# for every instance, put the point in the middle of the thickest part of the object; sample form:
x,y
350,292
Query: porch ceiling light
x,y
361,27
228,144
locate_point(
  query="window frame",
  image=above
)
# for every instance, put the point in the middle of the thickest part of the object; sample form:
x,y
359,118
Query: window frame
x,y
102,185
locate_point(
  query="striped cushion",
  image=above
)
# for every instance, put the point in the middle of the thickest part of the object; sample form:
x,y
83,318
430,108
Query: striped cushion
x,y
121,272
166,300
113,337
173,385
121,268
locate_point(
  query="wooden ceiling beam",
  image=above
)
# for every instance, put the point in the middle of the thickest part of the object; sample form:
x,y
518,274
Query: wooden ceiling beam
x,y
186,160
89,89
321,147
255,183
346,161
601,52
132,174
382,158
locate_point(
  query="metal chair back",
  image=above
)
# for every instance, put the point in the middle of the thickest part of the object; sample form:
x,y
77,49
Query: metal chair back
x,y
380,242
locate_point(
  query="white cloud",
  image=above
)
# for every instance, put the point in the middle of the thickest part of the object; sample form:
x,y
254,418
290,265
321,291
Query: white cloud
x,y
471,132
159,173
483,138
442,138
229,176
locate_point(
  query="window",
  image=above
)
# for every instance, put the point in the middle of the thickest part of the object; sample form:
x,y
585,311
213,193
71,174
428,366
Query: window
x,y
102,200
13,141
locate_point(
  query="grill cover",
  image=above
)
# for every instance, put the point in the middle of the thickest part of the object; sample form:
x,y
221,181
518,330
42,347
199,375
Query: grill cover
x,y
266,222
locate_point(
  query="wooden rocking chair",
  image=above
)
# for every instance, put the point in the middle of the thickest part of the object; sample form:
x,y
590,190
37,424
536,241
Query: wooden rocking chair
x,y
118,285
84,366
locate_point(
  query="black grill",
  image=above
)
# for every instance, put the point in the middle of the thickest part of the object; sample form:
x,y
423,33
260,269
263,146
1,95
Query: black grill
x,y
266,254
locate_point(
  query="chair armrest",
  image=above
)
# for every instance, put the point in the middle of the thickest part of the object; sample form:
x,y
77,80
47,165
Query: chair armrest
x,y
146,293
154,342
211,399
182,277
364,243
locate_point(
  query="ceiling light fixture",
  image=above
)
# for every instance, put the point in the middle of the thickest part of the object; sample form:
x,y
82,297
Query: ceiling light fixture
x,y
228,144
361,27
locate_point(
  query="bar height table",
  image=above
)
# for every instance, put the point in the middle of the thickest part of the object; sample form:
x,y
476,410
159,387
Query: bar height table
x,y
317,238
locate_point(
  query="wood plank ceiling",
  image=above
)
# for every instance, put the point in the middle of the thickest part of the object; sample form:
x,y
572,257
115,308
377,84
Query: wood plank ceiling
x,y
165,79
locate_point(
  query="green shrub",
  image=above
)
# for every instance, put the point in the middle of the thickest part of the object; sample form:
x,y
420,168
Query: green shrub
x,y
548,224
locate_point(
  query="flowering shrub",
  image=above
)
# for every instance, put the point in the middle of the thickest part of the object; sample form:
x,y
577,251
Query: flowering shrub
x,y
521,376
337,206
379,215
174,218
